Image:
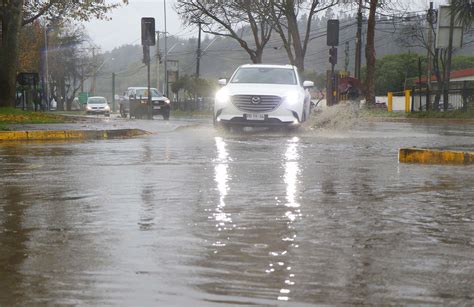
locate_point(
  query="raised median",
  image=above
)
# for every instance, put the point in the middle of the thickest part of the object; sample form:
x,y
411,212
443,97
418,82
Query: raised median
x,y
36,135
435,156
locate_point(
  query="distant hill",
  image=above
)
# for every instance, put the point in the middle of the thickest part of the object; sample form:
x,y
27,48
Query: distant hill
x,y
222,55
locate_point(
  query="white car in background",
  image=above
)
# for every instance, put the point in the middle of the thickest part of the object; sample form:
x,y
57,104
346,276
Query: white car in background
x,y
263,95
97,105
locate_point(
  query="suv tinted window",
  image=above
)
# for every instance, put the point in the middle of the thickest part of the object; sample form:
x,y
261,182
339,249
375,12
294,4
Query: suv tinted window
x,y
268,75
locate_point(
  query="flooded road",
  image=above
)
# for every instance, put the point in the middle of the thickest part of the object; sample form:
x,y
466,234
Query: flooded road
x,y
191,216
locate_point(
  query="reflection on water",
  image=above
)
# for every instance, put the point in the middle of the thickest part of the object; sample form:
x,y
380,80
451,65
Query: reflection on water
x,y
246,219
292,171
13,241
221,177
147,214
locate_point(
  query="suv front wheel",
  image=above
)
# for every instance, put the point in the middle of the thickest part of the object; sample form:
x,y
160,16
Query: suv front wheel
x,y
166,113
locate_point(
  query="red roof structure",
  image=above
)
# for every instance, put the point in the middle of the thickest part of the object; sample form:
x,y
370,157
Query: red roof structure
x,y
455,76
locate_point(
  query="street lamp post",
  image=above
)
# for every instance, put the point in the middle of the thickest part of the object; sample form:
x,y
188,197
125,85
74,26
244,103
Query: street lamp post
x,y
46,77
166,51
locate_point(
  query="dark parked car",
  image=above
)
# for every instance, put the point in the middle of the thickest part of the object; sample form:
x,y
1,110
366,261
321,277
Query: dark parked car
x,y
134,103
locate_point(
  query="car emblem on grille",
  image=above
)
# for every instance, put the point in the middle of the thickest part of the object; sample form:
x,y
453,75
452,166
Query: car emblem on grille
x,y
255,100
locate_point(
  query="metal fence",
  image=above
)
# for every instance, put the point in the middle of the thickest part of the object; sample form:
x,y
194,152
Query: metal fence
x,y
458,99
200,104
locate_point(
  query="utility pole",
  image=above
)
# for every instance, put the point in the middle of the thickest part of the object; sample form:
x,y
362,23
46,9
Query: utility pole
x,y
198,52
113,92
46,78
358,51
157,59
430,45
166,51
82,74
448,63
95,72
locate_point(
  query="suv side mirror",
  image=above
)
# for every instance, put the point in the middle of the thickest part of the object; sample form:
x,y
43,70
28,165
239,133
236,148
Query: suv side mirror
x,y
222,81
308,84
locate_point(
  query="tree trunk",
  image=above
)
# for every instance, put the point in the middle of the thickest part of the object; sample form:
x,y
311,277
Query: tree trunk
x,y
11,11
259,55
295,37
62,91
370,56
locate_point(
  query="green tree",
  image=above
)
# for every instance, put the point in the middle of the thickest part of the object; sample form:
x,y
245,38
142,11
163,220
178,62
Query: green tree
x,y
463,62
192,87
395,72
16,13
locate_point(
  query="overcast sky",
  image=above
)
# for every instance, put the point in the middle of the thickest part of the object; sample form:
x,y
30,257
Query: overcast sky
x,y
124,28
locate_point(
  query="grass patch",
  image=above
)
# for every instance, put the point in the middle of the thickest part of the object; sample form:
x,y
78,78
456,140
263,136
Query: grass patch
x,y
453,114
380,113
10,116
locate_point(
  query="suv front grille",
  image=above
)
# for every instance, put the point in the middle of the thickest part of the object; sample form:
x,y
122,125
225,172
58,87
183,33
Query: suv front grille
x,y
246,103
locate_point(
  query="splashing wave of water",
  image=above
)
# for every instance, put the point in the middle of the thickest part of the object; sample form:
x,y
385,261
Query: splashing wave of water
x,y
342,116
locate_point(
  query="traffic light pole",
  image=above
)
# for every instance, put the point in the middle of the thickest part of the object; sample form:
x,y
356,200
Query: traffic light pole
x,y
113,92
333,61
150,107
332,39
148,39
358,47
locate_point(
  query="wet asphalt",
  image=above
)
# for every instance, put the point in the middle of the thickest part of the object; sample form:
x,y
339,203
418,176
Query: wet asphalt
x,y
194,216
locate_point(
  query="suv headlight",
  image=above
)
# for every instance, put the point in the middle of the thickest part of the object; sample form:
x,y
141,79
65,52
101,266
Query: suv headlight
x,y
167,101
107,108
88,107
292,97
222,96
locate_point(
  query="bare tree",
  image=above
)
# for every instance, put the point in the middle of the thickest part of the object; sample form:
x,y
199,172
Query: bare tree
x,y
464,11
67,67
415,35
238,20
15,13
287,17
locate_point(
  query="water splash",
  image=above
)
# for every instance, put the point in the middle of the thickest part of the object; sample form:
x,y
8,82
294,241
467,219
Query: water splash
x,y
342,116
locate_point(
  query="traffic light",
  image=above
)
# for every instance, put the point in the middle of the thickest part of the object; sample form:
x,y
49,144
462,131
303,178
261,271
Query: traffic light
x,y
333,56
332,35
148,31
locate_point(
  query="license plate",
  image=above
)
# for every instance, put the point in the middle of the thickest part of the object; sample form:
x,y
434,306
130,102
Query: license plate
x,y
255,116
156,108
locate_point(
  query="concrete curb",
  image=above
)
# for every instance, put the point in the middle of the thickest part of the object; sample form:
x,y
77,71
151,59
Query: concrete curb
x,y
433,156
69,134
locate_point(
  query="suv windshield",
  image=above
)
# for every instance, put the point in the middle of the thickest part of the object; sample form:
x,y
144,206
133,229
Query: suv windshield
x,y
268,75
98,100
144,92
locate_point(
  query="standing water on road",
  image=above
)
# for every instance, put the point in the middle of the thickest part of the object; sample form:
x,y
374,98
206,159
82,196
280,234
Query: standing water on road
x,y
199,217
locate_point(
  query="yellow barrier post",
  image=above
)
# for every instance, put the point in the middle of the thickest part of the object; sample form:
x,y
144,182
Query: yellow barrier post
x,y
407,101
390,101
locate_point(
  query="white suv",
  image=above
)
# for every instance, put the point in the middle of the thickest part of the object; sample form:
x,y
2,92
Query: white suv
x,y
259,94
